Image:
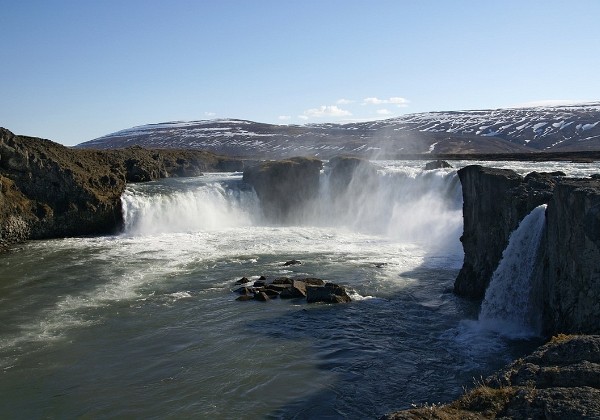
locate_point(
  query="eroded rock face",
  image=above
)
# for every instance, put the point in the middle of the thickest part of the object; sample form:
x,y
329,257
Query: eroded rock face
x,y
285,188
351,174
570,276
54,191
566,277
494,202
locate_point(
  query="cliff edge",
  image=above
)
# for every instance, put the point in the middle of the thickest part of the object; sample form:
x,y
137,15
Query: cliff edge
x,y
566,279
494,202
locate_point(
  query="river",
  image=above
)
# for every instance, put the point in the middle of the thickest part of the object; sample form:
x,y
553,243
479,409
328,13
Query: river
x,y
145,324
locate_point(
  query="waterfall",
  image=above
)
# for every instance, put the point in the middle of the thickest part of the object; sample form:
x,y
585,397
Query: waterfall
x,y
187,205
403,203
506,307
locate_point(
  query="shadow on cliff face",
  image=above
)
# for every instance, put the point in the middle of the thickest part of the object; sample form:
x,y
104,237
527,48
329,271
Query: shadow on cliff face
x,y
565,276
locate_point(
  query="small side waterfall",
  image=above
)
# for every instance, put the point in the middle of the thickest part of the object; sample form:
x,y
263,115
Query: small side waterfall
x,y
507,304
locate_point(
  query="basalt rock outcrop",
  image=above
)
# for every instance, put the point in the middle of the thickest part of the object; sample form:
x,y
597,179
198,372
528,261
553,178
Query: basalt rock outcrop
x,y
436,164
313,290
566,276
353,175
494,202
560,380
48,190
285,188
569,276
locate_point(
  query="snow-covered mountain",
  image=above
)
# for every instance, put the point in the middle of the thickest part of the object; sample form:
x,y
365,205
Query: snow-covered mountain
x,y
514,130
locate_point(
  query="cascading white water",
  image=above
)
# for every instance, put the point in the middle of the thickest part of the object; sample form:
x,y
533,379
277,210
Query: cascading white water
x,y
506,307
152,208
407,205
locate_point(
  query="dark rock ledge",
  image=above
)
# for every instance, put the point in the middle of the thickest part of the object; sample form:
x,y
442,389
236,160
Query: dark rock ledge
x,y
560,380
311,289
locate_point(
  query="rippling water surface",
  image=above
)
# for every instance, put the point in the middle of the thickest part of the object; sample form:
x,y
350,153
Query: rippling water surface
x,y
145,324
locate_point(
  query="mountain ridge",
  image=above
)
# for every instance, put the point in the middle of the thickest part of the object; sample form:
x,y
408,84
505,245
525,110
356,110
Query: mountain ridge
x,y
565,128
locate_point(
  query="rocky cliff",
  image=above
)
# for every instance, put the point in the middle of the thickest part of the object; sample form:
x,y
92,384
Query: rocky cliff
x,y
48,190
285,188
494,202
567,274
570,271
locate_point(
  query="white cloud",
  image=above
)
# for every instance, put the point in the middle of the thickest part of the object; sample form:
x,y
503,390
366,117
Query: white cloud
x,y
384,112
344,101
210,114
326,111
394,100
284,117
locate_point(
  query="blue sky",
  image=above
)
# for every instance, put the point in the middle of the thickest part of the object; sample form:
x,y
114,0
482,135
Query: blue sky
x,y
75,70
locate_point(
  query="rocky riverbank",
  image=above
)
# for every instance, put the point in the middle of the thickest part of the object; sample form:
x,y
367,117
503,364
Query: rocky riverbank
x,y
560,380
48,190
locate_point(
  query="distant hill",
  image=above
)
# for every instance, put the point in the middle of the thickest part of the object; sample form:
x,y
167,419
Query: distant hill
x,y
513,130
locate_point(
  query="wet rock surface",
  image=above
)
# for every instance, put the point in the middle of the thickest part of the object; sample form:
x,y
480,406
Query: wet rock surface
x,y
494,202
437,164
285,187
310,289
569,272
566,276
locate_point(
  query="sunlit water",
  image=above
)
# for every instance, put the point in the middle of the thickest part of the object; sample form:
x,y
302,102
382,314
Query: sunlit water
x,y
145,324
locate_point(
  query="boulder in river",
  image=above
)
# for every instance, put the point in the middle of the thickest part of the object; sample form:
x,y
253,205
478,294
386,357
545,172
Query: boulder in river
x,y
329,293
437,164
311,289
